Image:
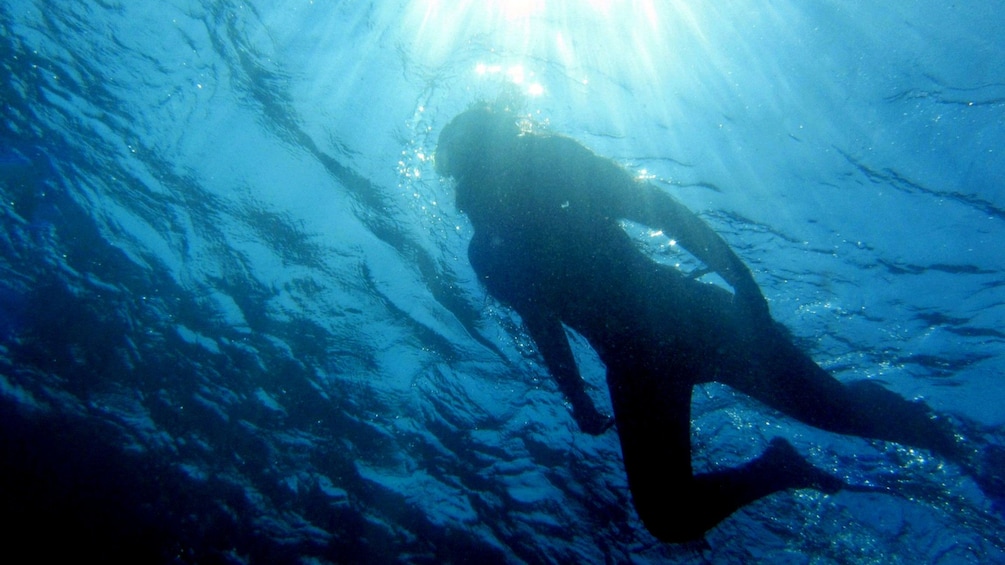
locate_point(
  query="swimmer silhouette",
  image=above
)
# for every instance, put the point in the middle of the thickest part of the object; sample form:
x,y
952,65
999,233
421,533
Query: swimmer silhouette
x,y
547,242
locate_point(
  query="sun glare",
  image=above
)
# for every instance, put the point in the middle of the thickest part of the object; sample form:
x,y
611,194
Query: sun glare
x,y
516,9
559,47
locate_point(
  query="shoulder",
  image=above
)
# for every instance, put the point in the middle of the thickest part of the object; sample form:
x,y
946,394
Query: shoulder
x,y
584,175
559,148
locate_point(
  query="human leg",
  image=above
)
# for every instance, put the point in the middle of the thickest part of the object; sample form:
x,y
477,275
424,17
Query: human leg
x,y
653,422
773,370
656,446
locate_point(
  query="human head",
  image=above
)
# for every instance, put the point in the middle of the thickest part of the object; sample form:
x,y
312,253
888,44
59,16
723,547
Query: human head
x,y
473,138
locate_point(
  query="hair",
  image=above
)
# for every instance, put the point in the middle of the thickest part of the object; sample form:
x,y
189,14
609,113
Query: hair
x,y
464,144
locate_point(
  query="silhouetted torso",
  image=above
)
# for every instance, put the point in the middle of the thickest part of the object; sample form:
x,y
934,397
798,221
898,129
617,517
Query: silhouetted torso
x,y
553,242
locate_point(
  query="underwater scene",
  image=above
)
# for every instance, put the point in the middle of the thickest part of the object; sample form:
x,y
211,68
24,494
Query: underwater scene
x,y
239,322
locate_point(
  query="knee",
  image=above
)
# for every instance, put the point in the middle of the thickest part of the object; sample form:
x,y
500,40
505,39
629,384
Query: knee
x,y
672,523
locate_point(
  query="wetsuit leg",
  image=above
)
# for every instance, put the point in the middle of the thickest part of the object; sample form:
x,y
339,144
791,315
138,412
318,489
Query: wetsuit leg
x,y
656,445
653,418
774,371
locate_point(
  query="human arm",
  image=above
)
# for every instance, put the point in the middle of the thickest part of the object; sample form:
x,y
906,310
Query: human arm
x,y
506,278
648,205
553,344
611,191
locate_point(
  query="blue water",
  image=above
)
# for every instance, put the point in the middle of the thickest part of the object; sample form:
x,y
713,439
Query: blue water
x,y
239,326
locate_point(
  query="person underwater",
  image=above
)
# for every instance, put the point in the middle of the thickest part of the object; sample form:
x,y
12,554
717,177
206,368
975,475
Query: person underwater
x,y
548,242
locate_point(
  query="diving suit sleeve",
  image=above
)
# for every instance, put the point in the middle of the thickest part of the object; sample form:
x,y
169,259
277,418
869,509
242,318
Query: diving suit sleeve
x,y
612,190
655,208
551,341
